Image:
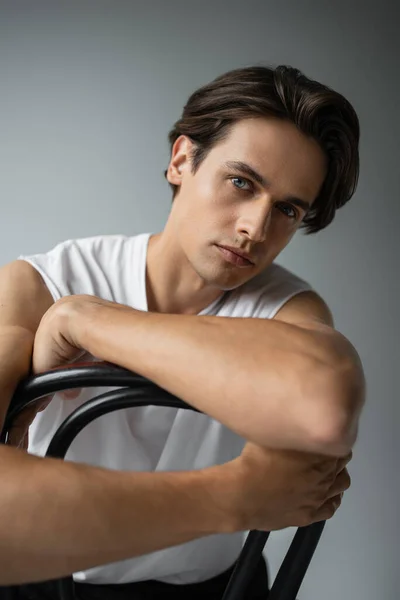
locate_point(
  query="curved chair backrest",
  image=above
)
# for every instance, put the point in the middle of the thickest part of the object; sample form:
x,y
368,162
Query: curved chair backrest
x,y
136,391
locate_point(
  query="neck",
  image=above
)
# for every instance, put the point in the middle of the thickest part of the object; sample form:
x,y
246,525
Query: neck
x,y
172,285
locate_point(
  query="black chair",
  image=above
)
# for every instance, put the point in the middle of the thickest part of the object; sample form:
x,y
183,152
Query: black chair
x,y
137,391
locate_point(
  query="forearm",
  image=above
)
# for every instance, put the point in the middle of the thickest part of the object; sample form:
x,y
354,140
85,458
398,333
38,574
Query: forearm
x,y
16,345
269,381
57,517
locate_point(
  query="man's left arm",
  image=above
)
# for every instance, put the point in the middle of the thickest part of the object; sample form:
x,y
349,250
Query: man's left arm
x,y
291,382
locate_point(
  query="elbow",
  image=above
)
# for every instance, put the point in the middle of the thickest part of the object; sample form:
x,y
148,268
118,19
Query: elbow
x,y
337,411
335,434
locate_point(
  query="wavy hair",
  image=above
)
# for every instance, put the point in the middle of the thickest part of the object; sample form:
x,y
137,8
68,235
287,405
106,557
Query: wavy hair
x,y
283,92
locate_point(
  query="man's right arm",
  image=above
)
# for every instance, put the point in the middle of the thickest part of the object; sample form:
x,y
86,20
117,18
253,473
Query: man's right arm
x,y
67,517
59,517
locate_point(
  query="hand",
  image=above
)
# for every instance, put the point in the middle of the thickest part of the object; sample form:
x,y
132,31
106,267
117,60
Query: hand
x,y
282,488
56,342
54,346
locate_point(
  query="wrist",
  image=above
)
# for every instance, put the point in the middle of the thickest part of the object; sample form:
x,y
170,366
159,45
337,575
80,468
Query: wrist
x,y
223,488
74,316
100,327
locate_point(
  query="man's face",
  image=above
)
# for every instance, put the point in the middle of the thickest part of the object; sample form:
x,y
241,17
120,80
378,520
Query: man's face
x,y
250,193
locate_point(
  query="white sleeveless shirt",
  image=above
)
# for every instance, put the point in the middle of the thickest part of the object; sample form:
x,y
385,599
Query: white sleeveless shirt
x,y
113,267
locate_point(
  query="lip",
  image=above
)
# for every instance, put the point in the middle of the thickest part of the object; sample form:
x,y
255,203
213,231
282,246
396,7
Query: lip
x,y
234,256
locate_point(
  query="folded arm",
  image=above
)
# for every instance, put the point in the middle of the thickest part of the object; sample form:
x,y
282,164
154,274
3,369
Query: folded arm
x,y
57,517
294,383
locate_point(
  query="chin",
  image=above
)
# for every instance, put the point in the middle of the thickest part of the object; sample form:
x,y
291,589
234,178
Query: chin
x,y
227,282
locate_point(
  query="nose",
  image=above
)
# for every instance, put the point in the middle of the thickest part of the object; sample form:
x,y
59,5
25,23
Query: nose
x,y
254,221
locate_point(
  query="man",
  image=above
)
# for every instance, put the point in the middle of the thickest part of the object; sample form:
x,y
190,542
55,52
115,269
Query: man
x,y
202,310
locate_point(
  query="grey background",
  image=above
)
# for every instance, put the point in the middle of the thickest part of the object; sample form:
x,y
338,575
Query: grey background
x,y
89,91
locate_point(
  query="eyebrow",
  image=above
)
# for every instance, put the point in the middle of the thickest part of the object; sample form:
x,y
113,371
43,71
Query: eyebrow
x,y
242,167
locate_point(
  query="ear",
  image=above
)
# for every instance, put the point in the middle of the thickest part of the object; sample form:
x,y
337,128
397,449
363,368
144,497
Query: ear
x,y
180,160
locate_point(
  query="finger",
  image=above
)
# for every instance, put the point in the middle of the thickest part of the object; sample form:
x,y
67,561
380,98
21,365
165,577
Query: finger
x,y
342,462
328,509
340,485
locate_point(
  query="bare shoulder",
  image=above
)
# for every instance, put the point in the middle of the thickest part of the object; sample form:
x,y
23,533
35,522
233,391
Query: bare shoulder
x,y
306,308
24,297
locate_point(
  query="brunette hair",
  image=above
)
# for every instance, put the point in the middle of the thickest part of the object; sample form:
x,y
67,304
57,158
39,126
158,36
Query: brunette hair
x,y
283,92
